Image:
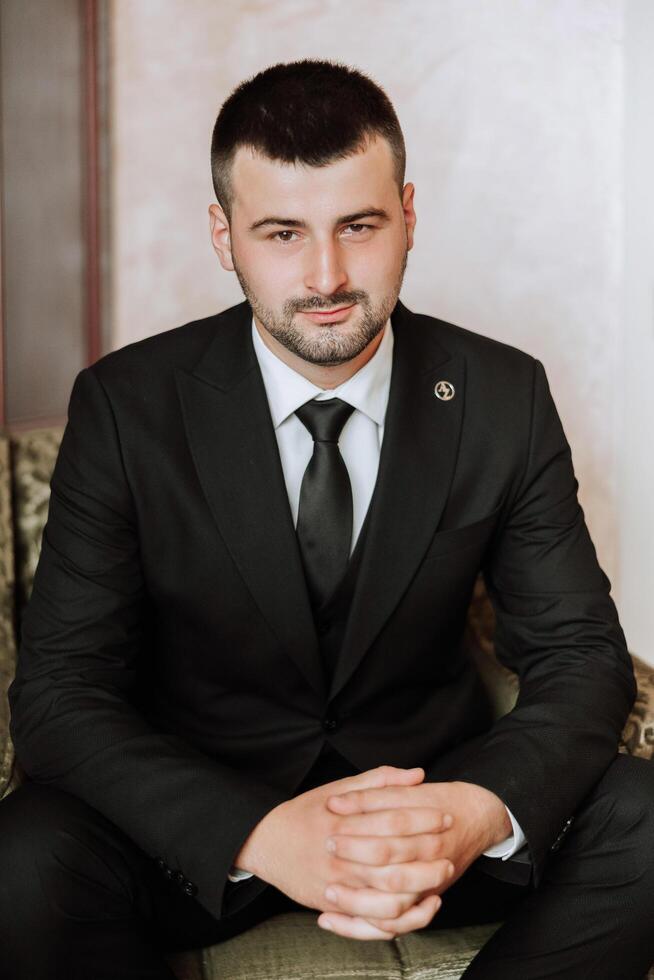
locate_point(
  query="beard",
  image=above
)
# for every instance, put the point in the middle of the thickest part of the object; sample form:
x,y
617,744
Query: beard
x,y
326,343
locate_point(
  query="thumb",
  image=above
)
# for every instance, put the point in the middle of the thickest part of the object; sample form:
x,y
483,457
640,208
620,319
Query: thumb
x,y
379,777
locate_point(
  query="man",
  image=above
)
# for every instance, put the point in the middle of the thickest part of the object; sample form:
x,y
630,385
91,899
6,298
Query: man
x,y
242,685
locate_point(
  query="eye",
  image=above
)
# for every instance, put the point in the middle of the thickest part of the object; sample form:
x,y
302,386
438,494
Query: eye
x,y
358,228
284,241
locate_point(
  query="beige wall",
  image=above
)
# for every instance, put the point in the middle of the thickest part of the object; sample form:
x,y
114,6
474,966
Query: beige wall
x,y
633,387
512,112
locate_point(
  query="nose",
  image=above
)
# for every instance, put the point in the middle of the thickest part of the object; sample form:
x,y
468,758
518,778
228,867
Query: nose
x,y
325,272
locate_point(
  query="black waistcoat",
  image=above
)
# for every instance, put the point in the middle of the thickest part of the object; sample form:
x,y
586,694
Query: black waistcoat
x,y
331,621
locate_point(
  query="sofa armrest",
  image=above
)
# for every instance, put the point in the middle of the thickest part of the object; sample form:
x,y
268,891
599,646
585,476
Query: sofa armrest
x,y
7,620
502,685
638,733
6,748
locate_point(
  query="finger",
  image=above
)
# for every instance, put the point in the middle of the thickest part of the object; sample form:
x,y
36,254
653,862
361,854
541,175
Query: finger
x,y
390,850
414,877
417,917
369,902
353,927
367,799
399,822
380,777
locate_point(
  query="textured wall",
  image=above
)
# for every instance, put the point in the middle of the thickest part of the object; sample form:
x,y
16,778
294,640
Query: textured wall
x,y
634,391
512,115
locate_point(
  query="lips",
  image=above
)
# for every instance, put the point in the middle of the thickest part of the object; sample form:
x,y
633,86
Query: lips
x,y
328,316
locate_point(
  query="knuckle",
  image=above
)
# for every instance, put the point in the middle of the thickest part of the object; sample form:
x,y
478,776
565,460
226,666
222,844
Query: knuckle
x,y
407,922
334,867
445,872
435,846
397,907
381,852
339,905
398,822
425,917
395,880
334,826
391,926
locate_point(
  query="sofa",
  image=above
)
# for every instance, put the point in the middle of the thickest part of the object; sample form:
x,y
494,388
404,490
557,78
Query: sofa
x,y
289,946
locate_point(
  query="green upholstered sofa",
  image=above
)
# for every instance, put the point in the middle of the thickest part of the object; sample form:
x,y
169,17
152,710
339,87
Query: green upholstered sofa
x,y
288,946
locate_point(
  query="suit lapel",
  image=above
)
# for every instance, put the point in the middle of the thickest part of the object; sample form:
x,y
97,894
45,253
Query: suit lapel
x,y
416,466
233,443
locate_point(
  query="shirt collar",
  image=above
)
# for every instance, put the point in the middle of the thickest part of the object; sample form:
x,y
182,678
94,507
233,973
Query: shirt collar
x,y
367,390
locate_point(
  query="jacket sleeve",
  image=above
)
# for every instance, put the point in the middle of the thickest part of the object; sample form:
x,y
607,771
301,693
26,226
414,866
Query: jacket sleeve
x,y
558,629
75,720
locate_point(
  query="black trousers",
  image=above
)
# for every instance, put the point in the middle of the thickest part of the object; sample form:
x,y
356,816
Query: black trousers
x,y
80,901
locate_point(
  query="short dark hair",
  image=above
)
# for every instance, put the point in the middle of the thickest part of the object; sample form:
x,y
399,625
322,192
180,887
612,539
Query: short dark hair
x,y
311,112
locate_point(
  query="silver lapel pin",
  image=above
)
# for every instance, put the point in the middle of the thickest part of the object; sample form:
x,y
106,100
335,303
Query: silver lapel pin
x,y
444,390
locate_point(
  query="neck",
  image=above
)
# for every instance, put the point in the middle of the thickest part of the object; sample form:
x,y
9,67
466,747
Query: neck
x,y
325,376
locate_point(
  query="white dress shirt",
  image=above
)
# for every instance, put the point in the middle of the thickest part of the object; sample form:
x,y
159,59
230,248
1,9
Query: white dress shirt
x,y
359,444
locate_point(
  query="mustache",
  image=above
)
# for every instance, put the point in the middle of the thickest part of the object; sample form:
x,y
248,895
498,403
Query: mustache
x,y
335,301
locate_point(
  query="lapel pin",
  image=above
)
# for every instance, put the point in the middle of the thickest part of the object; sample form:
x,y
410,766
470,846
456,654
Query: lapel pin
x,y
444,390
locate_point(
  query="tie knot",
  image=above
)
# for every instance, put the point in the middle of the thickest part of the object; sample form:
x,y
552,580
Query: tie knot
x,y
325,419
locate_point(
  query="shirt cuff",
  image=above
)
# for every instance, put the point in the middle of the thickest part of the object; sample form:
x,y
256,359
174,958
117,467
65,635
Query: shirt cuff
x,y
236,874
508,847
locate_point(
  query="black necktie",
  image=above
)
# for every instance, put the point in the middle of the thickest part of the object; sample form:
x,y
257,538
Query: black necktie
x,y
324,523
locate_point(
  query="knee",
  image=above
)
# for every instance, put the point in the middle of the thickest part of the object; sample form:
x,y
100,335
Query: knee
x,y
629,781
44,844
622,805
32,823
34,813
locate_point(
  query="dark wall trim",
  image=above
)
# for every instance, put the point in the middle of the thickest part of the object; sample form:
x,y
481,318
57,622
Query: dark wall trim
x,y
54,307
3,407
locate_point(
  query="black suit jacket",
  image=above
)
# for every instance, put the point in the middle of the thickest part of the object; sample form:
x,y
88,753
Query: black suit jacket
x,y
169,671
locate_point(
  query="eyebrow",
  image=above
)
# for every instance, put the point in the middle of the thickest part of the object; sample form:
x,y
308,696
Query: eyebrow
x,y
346,219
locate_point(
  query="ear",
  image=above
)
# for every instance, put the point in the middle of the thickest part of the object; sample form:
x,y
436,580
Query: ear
x,y
409,212
220,236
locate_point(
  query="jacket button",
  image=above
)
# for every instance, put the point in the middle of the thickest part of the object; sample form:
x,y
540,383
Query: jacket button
x,y
329,724
161,864
189,888
324,626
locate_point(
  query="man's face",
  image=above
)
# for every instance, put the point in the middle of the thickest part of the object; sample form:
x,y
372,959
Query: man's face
x,y
306,239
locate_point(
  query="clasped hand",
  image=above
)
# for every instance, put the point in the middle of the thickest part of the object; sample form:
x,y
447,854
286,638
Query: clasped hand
x,y
374,852
408,843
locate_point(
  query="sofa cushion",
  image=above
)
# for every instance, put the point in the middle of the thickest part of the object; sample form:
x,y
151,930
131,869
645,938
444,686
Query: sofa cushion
x,y
291,946
33,455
